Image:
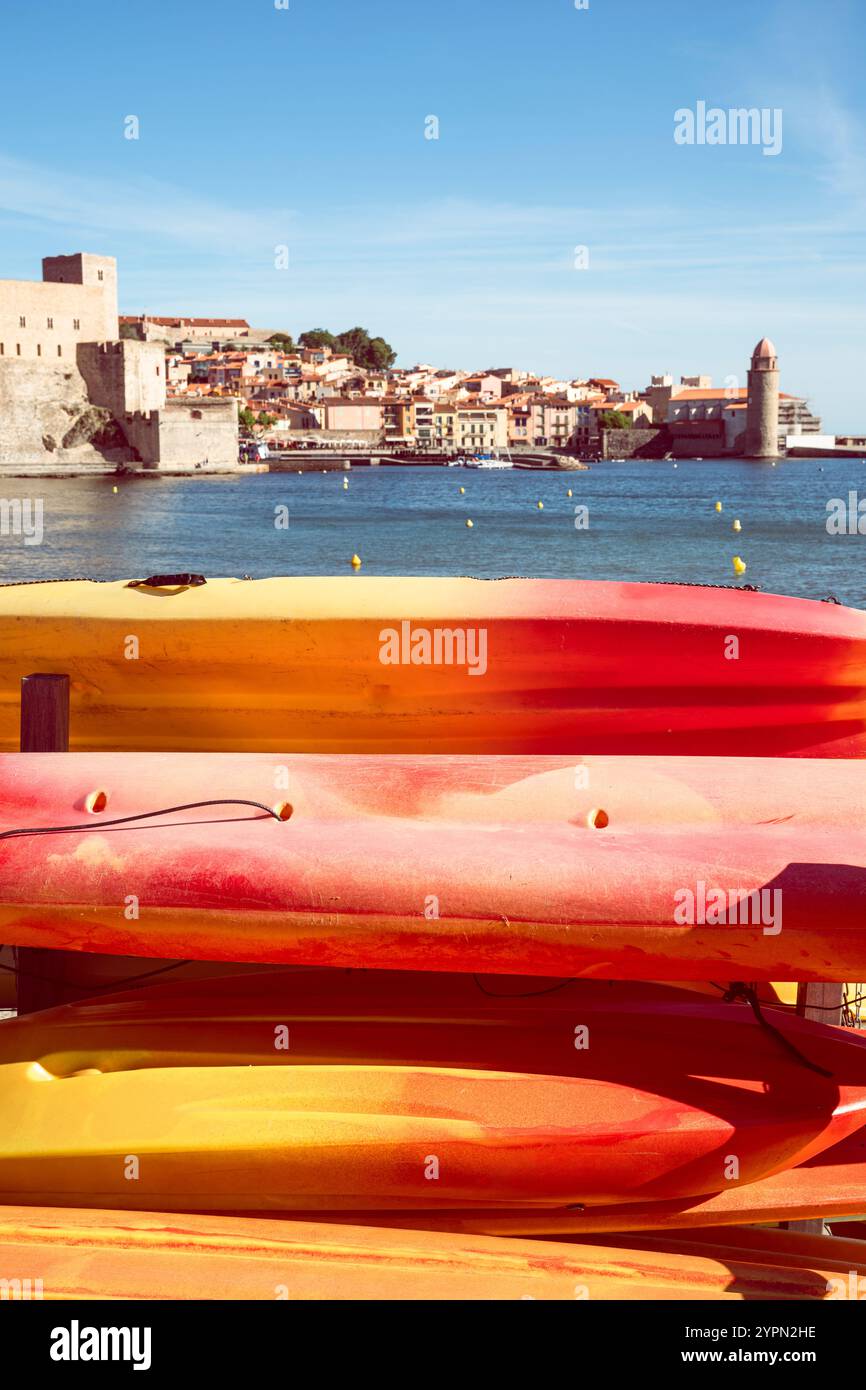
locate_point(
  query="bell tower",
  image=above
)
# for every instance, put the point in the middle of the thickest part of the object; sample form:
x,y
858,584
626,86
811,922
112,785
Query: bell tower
x,y
762,415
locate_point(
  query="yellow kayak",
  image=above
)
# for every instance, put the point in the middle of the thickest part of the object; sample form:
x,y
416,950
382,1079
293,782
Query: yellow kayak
x,y
293,1092
438,665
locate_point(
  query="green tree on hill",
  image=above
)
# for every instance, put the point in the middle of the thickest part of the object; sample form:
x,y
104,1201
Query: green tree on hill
x,y
316,338
615,420
283,341
380,355
372,353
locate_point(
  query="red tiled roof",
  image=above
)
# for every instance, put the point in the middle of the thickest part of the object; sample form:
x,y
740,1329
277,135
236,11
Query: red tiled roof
x,y
180,322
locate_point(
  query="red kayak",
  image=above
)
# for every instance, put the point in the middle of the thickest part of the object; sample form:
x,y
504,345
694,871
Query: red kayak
x,y
313,1091
427,665
832,1185
617,868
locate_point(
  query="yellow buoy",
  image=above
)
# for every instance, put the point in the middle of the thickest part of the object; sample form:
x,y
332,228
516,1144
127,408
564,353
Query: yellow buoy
x,y
469,523
114,489
462,490
718,506
739,565
736,526
356,562
345,485
541,506
569,493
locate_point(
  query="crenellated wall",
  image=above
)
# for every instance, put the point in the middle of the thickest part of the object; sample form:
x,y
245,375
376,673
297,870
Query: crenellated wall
x,y
126,376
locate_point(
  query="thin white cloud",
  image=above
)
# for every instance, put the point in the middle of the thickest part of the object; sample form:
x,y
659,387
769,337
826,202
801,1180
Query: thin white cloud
x,y
139,205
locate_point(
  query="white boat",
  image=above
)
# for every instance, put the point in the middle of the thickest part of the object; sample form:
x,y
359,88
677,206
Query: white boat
x,y
489,461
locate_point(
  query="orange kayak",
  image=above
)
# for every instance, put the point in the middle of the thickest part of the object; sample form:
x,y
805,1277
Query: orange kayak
x,y
832,1185
70,1254
370,665
613,867
372,1092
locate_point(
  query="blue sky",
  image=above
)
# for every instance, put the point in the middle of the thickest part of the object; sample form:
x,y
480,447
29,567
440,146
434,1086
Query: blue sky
x,y
305,127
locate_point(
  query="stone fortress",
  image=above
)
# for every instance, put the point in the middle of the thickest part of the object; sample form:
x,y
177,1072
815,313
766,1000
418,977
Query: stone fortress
x,y
74,394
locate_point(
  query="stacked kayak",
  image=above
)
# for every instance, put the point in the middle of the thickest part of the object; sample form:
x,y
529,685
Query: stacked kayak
x,y
353,665
381,789
103,1254
613,867
384,1093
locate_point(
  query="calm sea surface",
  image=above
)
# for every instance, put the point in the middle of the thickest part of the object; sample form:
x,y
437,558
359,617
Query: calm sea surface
x,y
647,521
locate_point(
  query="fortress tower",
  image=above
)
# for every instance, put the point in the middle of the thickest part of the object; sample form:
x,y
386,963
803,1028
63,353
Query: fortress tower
x,y
98,274
762,416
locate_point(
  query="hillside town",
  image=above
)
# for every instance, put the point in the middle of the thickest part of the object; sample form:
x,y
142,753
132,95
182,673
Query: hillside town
x,y
83,387
313,394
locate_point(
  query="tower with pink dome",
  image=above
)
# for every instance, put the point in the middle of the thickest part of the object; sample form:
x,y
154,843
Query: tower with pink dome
x,y
762,416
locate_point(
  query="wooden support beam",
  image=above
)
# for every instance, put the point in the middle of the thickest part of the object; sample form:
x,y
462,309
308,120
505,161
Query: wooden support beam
x,y
45,978
823,1003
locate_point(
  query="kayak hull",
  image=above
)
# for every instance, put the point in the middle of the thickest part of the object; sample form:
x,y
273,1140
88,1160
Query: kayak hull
x,y
830,1186
87,1255
298,1092
609,867
341,665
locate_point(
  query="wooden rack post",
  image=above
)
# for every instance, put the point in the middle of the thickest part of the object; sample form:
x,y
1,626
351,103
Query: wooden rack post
x,y
44,977
823,1003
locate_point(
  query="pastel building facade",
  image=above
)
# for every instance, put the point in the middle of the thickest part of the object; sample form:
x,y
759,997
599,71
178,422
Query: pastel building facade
x,y
481,428
347,416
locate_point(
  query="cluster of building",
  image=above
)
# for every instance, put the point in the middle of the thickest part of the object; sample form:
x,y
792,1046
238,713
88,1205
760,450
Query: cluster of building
x,y
77,380
314,395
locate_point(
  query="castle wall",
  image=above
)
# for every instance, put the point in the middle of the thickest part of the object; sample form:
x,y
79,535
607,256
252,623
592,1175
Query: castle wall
x,y
651,443
56,319
75,302
126,376
41,406
194,434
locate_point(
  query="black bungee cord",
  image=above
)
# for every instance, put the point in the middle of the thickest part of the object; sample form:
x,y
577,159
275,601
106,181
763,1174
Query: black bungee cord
x,y
141,815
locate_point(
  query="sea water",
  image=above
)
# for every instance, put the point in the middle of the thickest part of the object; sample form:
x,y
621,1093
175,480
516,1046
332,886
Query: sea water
x,y
636,521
